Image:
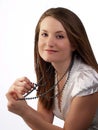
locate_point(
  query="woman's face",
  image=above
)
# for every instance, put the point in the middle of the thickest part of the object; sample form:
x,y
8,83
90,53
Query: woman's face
x,y
53,43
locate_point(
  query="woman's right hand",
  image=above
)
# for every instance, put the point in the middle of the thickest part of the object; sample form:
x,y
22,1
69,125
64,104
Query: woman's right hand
x,y
21,85
16,91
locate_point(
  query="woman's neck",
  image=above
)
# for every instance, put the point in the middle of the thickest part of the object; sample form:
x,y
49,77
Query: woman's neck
x,y
62,67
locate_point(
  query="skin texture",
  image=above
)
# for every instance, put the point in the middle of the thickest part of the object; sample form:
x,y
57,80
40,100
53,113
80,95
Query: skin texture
x,y
54,47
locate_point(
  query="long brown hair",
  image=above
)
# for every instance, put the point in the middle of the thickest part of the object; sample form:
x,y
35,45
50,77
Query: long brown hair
x,y
78,38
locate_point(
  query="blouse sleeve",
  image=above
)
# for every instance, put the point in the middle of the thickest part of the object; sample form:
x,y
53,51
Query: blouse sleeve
x,y
85,83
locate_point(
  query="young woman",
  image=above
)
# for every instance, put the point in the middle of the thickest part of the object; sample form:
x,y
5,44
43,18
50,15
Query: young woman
x,y
67,76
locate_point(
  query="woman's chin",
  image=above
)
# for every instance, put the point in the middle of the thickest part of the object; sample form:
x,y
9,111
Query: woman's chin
x,y
48,60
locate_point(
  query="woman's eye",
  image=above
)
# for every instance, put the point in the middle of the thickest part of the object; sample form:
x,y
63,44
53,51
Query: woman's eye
x,y
44,34
60,36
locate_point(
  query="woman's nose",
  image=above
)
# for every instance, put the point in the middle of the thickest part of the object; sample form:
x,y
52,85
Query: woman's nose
x,y
50,41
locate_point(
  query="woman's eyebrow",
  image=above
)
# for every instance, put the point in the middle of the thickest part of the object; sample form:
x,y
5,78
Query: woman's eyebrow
x,y
59,31
44,30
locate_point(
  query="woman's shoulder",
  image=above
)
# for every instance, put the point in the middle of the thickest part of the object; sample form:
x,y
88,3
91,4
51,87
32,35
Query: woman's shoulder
x,y
82,69
84,79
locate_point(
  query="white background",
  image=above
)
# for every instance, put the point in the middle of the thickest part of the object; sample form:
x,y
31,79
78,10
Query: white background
x,y
18,19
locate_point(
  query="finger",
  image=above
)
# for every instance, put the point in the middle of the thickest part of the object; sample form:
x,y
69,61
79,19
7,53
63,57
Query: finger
x,y
22,87
24,79
11,96
25,82
26,85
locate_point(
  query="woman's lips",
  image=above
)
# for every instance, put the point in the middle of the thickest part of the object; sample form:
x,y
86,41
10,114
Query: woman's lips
x,y
51,51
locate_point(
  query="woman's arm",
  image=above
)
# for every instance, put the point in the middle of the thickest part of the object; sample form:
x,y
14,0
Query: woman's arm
x,y
81,112
36,120
80,115
47,115
20,107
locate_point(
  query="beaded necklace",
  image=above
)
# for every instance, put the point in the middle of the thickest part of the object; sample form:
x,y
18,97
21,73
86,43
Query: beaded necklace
x,y
43,94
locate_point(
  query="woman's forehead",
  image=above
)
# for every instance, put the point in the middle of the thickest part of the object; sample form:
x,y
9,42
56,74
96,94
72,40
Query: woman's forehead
x,y
51,23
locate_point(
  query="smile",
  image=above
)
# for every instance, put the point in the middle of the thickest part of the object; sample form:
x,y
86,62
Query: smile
x,y
50,51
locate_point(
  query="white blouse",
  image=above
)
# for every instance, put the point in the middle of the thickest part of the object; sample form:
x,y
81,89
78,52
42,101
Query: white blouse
x,y
83,81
